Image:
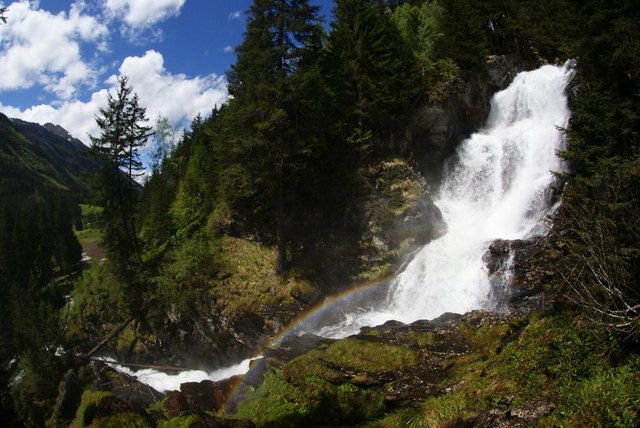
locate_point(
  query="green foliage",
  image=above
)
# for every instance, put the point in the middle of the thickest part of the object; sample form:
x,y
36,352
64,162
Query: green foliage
x,y
600,217
371,72
122,136
99,301
264,151
185,272
87,408
420,28
464,39
275,403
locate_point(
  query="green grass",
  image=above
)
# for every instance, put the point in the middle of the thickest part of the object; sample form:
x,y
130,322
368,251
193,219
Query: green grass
x,y
559,358
276,403
369,356
121,420
89,235
87,209
179,422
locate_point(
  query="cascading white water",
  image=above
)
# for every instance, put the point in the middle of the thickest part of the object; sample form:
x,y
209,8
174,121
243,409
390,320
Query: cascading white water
x,y
497,187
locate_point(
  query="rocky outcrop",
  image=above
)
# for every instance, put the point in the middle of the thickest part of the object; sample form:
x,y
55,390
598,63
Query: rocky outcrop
x,y
529,263
215,341
517,417
398,216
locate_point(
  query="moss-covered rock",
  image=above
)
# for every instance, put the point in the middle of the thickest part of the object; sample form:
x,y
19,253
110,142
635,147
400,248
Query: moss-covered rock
x,y
362,377
398,216
103,409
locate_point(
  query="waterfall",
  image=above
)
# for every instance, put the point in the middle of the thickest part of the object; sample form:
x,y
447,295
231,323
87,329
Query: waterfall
x,y
495,187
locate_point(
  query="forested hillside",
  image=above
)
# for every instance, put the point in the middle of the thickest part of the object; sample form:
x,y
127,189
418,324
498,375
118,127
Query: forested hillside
x,y
44,176
310,180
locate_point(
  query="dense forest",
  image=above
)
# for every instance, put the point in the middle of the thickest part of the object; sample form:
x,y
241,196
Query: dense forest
x,y
279,171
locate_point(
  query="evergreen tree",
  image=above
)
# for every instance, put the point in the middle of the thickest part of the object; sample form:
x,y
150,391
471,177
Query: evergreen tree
x,y
123,134
37,247
464,40
371,70
281,35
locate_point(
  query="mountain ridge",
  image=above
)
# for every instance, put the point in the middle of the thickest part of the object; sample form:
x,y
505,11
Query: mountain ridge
x,y
45,154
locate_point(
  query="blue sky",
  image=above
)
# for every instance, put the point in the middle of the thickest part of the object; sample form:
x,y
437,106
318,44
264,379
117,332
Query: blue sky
x,y
59,59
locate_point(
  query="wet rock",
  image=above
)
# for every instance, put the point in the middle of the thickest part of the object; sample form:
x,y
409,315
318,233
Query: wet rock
x,y
501,69
455,111
175,404
121,385
522,416
519,270
497,256
68,399
204,342
204,396
533,411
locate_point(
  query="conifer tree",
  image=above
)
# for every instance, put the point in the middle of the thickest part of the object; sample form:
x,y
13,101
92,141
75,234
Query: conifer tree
x,y
281,35
123,134
371,70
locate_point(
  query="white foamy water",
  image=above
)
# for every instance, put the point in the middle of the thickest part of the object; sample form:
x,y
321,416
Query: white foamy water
x,y
161,381
497,187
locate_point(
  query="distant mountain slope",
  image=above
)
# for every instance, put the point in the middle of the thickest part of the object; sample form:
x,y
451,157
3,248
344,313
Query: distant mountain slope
x,y
32,154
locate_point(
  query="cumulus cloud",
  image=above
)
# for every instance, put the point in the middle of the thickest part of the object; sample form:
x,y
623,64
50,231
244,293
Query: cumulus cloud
x,y
175,96
235,15
37,47
228,49
140,14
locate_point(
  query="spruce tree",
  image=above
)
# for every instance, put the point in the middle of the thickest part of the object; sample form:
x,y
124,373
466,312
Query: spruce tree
x,y
371,70
281,35
123,134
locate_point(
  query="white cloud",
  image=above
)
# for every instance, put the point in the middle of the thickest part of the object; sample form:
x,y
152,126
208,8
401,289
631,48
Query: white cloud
x,y
235,15
75,116
143,13
37,47
173,95
228,49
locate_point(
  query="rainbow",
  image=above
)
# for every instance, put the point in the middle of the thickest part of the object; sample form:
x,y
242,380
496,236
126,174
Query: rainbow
x,y
308,322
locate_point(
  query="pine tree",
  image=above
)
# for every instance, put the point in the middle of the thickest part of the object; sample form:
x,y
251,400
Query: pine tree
x,y
281,36
371,70
123,134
